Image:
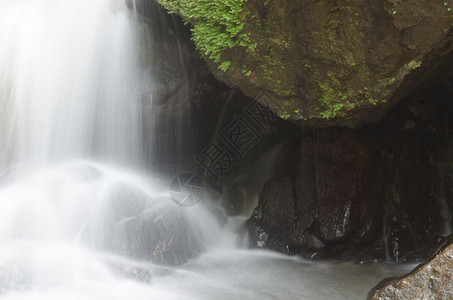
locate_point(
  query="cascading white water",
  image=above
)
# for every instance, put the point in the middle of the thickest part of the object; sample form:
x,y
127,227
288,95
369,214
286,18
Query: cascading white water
x,y
76,220
70,71
70,120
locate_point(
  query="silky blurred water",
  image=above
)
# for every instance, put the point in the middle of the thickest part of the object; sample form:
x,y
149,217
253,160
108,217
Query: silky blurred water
x,y
77,210
69,74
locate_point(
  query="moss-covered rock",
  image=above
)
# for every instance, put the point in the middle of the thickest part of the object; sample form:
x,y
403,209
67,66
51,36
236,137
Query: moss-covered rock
x,y
321,63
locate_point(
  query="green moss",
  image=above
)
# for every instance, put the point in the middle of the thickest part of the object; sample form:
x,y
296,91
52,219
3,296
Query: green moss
x,y
274,76
337,100
246,71
372,101
285,116
290,109
333,97
217,25
414,64
225,66
332,101
447,6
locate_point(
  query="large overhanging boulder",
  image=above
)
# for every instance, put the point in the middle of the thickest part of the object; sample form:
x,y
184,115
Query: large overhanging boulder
x,y
322,63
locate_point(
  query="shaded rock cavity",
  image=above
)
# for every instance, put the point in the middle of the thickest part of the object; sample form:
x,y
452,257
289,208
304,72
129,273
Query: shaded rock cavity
x,y
382,192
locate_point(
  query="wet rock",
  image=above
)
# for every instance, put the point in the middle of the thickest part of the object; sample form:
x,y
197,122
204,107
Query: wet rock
x,y
276,204
428,281
146,229
131,272
163,237
331,202
141,272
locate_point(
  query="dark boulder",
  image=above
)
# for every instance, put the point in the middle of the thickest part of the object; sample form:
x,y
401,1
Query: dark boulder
x,y
331,205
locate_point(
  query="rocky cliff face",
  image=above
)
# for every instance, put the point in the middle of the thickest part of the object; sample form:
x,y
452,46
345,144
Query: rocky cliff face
x,y
322,63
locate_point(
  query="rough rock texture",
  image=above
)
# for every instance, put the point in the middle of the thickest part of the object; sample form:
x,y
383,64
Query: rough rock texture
x,y
322,63
379,193
432,280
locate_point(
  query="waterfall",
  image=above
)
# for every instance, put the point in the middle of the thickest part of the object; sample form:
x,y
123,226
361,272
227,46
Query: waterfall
x,y
75,204
71,72
80,217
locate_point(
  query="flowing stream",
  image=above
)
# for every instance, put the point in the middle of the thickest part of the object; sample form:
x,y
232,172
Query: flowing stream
x,y
79,216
